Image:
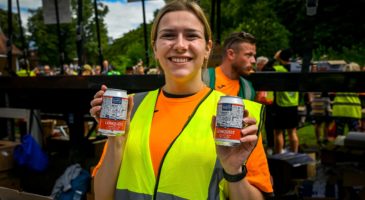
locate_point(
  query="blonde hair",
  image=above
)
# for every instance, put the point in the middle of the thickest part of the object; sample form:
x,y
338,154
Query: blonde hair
x,y
181,5
353,67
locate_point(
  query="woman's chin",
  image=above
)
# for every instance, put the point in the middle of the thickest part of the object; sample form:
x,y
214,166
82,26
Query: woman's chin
x,y
180,74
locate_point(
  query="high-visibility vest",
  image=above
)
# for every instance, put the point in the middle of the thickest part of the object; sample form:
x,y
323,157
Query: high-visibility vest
x,y
286,98
24,72
189,169
347,104
246,89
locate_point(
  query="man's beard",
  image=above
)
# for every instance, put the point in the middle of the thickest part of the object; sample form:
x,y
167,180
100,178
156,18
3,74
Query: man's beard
x,y
239,69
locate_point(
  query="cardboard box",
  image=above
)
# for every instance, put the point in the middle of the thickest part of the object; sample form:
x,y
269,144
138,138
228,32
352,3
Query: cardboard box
x,y
9,179
353,177
90,196
6,155
10,194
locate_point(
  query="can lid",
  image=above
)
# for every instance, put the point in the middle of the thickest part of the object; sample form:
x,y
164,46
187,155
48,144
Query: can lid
x,y
228,96
114,89
115,92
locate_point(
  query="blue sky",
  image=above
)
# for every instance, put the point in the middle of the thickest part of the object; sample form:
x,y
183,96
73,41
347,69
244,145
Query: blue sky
x,y
122,16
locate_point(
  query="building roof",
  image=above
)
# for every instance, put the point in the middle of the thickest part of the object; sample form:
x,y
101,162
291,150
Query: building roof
x,y
3,40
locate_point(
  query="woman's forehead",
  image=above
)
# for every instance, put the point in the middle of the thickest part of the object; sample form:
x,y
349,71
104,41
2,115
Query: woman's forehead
x,y
180,19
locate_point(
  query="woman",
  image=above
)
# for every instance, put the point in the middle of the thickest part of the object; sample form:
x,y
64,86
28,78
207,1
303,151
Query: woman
x,y
170,151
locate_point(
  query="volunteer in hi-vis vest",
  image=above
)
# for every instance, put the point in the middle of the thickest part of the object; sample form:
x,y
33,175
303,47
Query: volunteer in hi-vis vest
x,y
169,150
239,51
347,107
285,108
346,110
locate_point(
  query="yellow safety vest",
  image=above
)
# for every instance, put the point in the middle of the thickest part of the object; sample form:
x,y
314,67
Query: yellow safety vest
x,y
286,98
347,105
189,169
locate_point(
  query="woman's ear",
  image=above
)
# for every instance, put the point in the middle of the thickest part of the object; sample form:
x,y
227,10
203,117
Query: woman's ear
x,y
209,47
154,48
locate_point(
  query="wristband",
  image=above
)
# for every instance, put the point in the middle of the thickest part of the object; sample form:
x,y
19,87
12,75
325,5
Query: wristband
x,y
236,177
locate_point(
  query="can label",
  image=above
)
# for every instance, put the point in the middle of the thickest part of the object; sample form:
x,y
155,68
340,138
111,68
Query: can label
x,y
113,116
229,121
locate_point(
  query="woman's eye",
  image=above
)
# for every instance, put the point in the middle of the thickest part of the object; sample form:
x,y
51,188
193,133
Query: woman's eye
x,y
192,36
167,36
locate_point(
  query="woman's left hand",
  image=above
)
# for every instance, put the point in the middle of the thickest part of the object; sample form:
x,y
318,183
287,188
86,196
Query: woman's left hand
x,y
232,158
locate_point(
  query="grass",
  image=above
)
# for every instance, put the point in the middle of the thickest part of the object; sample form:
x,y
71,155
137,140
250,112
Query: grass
x,y
306,135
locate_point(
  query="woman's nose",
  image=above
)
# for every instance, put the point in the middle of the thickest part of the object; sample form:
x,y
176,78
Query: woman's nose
x,y
181,43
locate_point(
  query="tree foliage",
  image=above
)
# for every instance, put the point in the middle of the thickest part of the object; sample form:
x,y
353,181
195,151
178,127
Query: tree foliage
x,y
16,27
129,49
276,24
46,39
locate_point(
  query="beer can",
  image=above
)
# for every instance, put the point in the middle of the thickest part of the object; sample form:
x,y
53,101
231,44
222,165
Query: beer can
x,y
229,121
113,115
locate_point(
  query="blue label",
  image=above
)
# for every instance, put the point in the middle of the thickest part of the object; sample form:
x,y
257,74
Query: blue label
x,y
226,107
116,100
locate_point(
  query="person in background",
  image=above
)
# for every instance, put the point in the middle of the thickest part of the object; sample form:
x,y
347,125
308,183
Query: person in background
x,y
47,71
36,71
169,151
362,99
129,71
23,71
113,71
285,111
320,109
140,70
320,115
260,63
106,67
87,70
347,107
97,70
266,98
239,51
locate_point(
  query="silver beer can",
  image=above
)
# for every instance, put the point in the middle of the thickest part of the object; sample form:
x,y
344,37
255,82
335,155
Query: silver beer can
x,y
113,115
229,121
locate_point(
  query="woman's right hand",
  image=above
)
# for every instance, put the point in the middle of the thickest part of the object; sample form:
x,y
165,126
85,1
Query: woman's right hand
x,y
96,103
98,100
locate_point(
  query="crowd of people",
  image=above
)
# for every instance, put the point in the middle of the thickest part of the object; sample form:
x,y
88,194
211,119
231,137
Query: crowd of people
x,y
329,112
169,151
181,40
74,69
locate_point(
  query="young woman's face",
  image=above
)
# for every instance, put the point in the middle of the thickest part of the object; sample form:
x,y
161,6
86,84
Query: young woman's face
x,y
180,46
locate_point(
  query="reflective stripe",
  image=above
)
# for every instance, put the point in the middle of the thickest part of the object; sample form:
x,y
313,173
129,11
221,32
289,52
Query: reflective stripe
x,y
203,181
164,196
347,104
217,176
347,94
129,195
213,193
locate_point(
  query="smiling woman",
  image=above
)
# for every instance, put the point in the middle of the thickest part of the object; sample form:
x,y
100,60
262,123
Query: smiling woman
x,y
169,151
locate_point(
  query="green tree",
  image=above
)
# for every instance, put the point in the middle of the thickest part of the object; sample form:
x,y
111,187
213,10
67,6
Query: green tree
x,y
45,36
256,17
16,27
332,30
129,49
